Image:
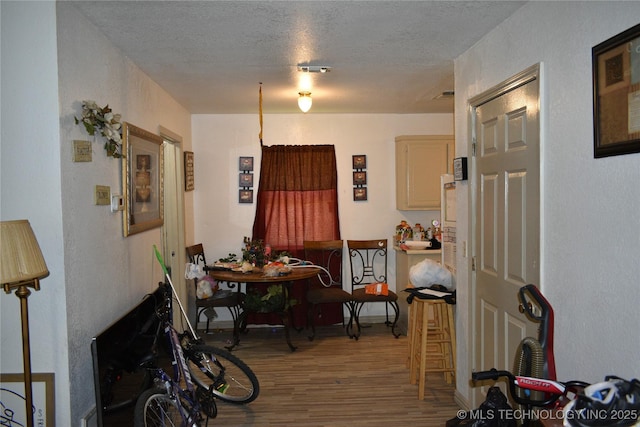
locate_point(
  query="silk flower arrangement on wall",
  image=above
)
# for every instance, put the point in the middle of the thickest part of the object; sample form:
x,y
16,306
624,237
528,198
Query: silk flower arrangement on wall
x,y
102,121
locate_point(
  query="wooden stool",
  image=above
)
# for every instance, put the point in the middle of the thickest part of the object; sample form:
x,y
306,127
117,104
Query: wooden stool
x,y
432,340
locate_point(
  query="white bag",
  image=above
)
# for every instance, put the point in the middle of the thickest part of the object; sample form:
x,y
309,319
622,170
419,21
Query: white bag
x,y
194,271
428,272
206,287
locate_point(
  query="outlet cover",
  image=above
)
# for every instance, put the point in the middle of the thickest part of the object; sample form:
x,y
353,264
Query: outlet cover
x,y
82,151
103,195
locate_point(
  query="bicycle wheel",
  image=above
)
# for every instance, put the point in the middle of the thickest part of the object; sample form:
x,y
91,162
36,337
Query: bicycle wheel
x,y
155,409
226,376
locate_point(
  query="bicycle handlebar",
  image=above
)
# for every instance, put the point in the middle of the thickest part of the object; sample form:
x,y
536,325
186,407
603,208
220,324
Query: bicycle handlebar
x,y
492,374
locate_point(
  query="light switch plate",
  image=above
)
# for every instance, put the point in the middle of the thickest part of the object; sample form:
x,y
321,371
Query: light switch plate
x,y
82,151
103,195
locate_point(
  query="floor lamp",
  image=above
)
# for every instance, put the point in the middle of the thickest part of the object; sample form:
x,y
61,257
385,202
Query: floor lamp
x,y
22,268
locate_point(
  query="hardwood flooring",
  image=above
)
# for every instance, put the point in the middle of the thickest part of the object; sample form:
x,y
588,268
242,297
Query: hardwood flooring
x,y
333,381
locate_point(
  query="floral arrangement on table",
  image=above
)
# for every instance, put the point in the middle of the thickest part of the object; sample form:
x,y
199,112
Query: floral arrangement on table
x,y
102,120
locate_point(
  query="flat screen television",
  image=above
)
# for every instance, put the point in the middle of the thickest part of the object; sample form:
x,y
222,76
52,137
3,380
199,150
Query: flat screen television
x,y
117,352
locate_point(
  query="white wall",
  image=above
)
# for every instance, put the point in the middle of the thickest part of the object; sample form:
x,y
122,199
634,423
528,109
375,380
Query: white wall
x,y
218,140
101,264
96,273
589,207
30,187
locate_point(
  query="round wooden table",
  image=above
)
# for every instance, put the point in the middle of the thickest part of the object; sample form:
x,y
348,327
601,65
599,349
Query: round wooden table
x,y
257,276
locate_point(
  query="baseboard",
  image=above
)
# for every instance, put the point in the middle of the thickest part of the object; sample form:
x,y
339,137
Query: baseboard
x,y
90,419
228,324
462,401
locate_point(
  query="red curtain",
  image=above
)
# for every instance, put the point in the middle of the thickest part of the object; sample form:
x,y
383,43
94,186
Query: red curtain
x,y
297,196
297,200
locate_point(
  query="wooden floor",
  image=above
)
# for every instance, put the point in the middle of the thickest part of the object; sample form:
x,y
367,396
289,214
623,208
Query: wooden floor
x,y
333,381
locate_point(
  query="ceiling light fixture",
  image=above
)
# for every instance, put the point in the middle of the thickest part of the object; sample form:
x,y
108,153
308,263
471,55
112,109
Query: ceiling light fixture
x,y
314,68
304,101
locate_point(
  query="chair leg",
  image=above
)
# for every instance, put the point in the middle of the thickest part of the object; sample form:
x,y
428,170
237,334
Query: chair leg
x,y
357,307
386,312
396,308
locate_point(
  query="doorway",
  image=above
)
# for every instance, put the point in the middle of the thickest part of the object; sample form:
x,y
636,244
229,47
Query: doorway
x,y
505,216
173,234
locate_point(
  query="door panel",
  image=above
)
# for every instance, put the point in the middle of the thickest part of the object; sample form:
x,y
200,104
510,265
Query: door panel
x,y
506,211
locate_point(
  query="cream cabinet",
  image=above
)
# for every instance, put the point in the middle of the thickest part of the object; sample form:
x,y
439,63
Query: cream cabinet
x,y
420,160
404,261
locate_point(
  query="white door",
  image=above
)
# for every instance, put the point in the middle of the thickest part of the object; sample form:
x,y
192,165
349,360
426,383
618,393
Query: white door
x,y
506,199
173,229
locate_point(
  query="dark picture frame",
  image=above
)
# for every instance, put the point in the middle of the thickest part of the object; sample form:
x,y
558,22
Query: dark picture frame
x,y
359,178
359,193
246,164
245,180
189,182
616,94
359,161
245,196
143,180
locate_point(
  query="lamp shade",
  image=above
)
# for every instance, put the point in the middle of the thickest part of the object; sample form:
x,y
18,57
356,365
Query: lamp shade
x,y
20,253
304,101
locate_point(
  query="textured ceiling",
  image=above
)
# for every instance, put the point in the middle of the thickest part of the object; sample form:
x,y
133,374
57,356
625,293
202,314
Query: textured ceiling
x,y
386,56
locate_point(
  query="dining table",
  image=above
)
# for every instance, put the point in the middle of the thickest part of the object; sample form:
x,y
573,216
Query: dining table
x,y
235,279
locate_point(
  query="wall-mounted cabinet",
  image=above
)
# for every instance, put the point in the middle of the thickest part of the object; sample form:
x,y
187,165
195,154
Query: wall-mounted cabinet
x,y
420,160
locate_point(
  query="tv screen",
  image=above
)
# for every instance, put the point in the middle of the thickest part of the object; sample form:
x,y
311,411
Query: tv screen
x,y
117,352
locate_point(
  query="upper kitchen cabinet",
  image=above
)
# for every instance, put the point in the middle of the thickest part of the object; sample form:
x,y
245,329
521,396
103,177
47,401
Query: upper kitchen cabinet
x,y
420,160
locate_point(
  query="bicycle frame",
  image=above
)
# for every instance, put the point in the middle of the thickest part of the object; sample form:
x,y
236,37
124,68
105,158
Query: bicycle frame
x,y
181,371
552,388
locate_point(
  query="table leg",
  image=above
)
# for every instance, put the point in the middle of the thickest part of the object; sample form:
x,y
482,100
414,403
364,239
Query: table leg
x,y
237,327
287,313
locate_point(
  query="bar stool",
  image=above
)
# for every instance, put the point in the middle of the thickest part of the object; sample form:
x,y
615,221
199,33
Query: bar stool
x,y
432,341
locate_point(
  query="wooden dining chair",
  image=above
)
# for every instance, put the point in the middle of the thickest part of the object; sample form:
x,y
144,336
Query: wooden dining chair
x,y
231,300
325,296
368,264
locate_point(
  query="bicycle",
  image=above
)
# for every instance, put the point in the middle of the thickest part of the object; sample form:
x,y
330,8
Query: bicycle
x,y
522,388
201,373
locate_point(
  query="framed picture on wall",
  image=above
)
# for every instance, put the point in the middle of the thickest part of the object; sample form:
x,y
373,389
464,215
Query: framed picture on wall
x,y
359,193
142,179
189,183
360,161
246,164
245,180
245,196
359,178
616,94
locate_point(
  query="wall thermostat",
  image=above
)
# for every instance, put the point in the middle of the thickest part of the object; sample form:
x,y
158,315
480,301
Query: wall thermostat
x,y
117,203
460,169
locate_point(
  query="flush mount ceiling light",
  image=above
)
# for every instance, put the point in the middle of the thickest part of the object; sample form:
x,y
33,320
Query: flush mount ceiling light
x,y
314,68
304,101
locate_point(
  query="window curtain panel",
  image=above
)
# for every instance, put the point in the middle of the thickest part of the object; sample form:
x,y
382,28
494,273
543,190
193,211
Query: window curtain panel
x,y
297,200
297,196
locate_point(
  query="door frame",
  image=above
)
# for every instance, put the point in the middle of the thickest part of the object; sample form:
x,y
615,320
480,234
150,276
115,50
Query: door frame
x,y
173,232
529,74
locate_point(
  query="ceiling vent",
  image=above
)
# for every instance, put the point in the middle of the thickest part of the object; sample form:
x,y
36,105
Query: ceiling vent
x,y
445,95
